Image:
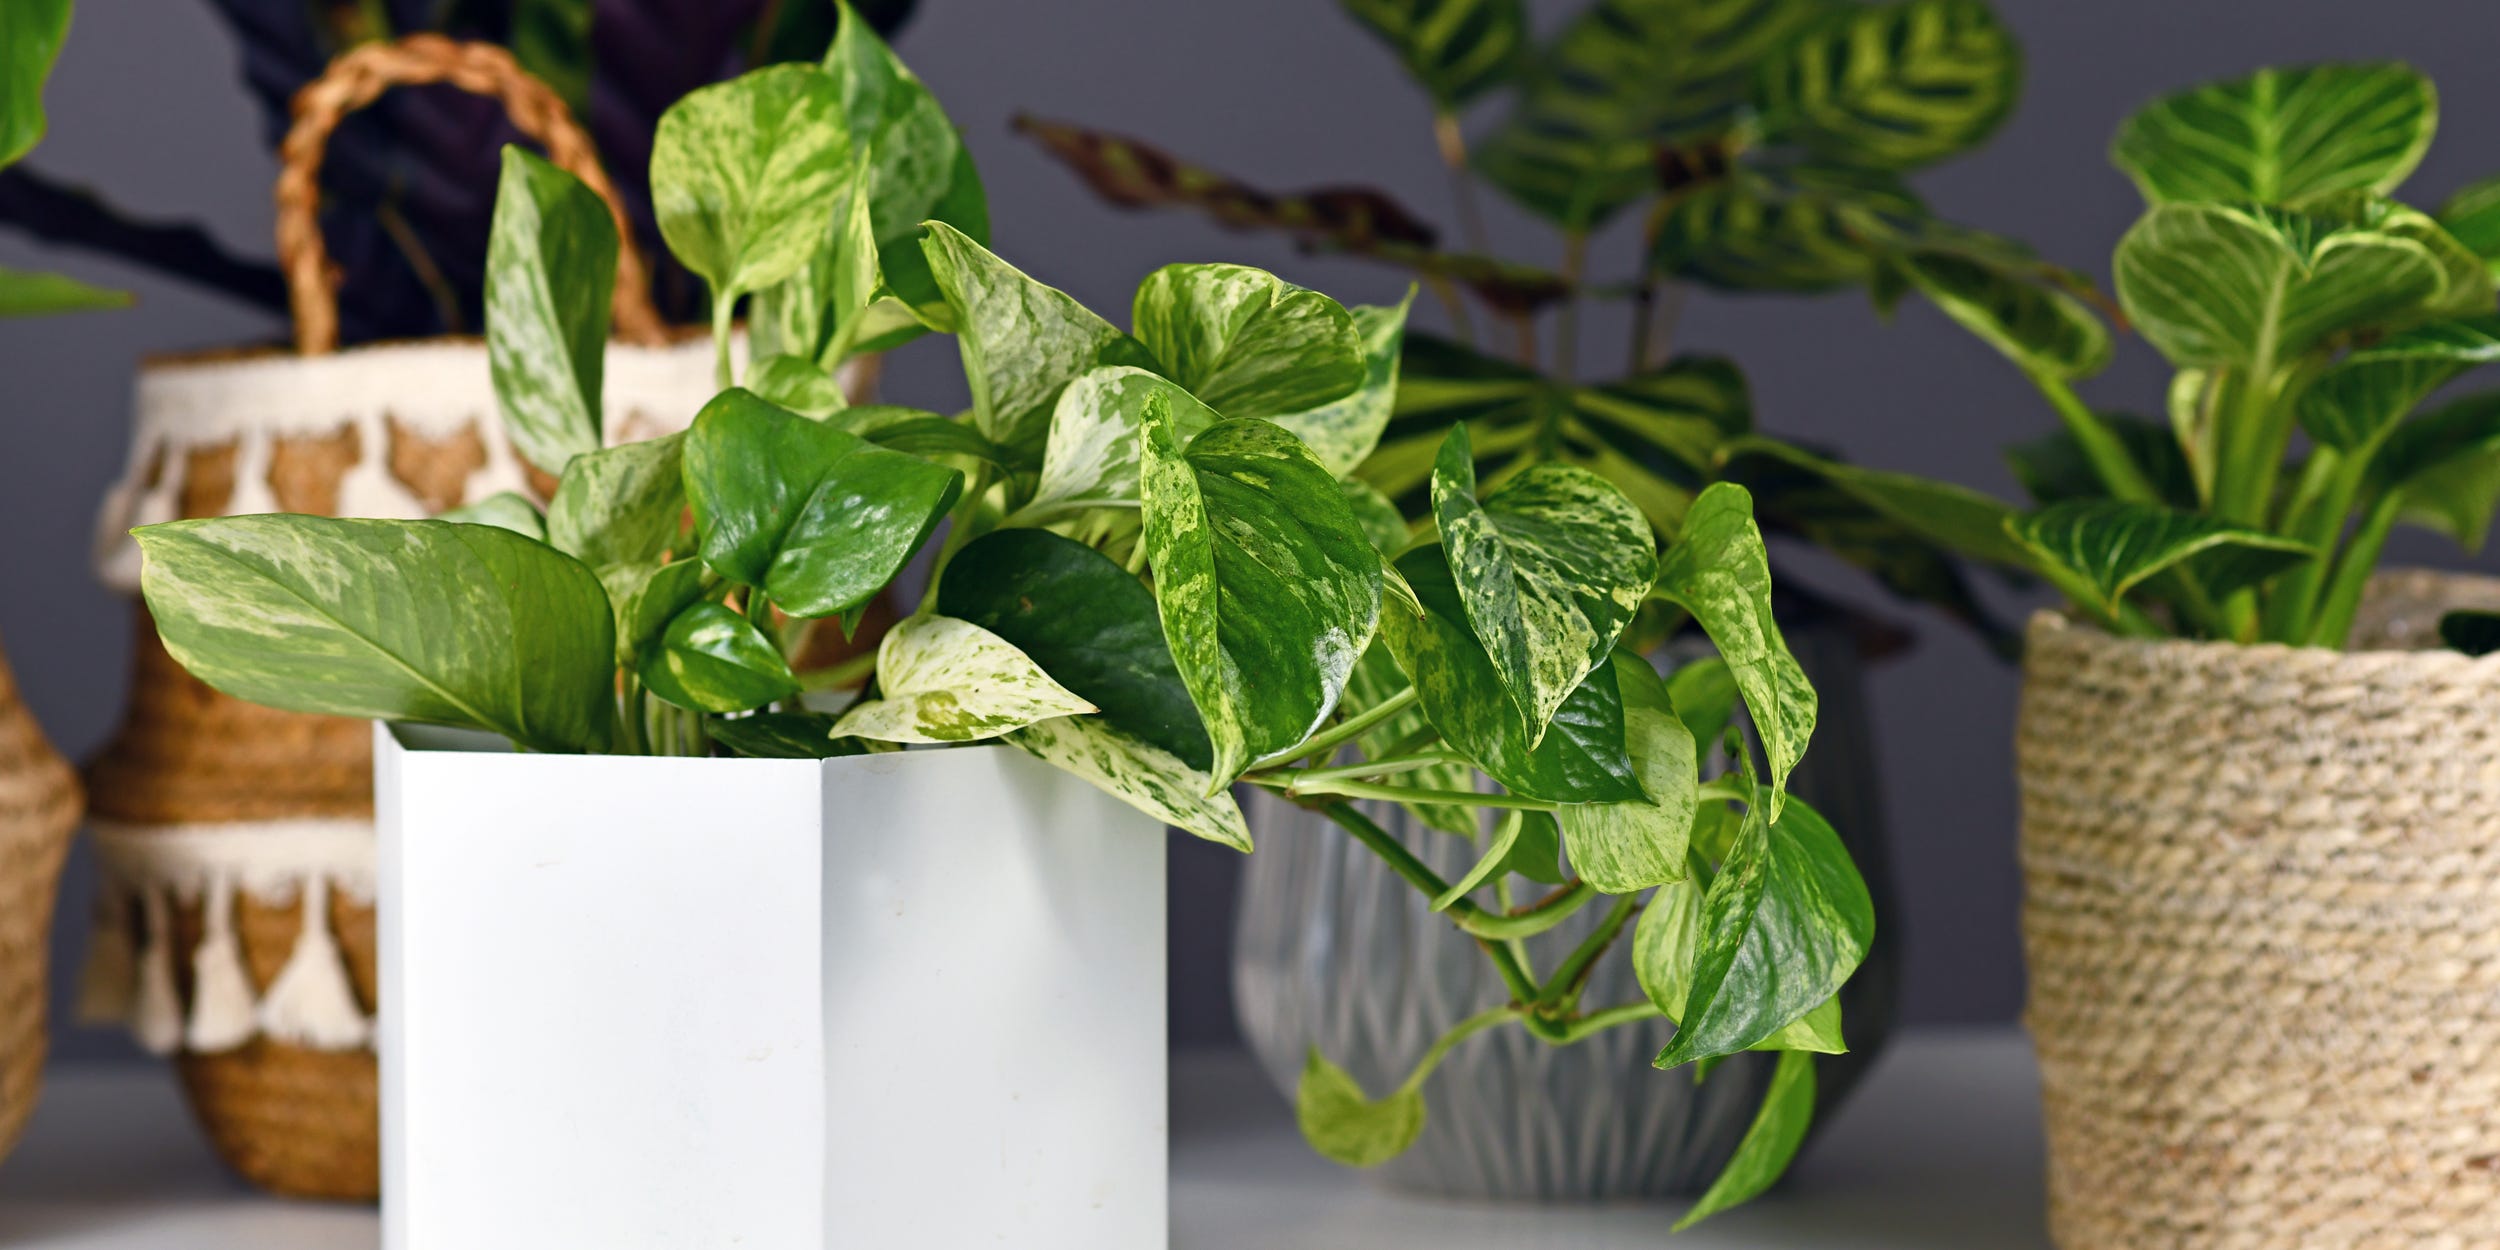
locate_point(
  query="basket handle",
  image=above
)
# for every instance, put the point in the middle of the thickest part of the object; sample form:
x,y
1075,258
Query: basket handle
x,y
359,77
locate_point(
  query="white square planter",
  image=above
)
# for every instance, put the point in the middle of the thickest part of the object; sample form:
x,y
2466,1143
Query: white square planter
x,y
904,1000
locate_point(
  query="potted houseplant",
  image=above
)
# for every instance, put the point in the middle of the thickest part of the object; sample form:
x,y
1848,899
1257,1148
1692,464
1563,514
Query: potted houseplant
x,y
39,797
757,967
1768,148
2247,789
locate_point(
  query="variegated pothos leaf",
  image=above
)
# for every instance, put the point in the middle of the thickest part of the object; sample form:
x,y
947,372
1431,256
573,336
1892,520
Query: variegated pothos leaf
x,y
940,679
1247,343
1148,778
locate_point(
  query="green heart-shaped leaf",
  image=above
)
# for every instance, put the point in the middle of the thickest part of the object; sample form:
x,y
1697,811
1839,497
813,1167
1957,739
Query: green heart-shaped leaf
x,y
622,505
820,518
447,624
1895,85
31,32
550,266
1148,778
2045,330
2362,397
505,510
819,314
798,384
1342,433
2113,545
1022,342
2220,287
1269,591
647,597
1770,1143
745,174
1091,457
1550,568
1718,571
711,659
918,168
2282,136
1088,622
1784,923
1245,342
940,679
1581,758
1348,1128
1622,848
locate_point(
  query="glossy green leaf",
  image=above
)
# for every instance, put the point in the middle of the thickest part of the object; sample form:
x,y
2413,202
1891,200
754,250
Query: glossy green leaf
x,y
1089,623
1784,923
1582,758
1343,432
1247,343
29,294
1091,456
2114,545
798,384
31,32
646,598
1146,777
621,505
550,266
745,174
1666,945
2282,136
1896,86
919,169
1703,694
1380,518
1623,79
820,518
2357,401
1269,591
1769,1145
2221,287
1022,342
2469,289
1377,678
1622,848
2042,329
820,313
1349,1128
1457,49
940,679
1495,861
783,736
1550,568
506,510
1687,408
1718,571
430,621
2472,217
711,659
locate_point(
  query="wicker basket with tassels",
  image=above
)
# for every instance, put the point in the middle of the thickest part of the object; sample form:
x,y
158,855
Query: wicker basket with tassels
x,y
236,928
38,810
2263,927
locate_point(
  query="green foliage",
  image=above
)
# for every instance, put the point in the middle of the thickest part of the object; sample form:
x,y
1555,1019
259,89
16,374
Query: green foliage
x,y
2282,136
743,175
31,32
940,679
711,659
1777,1132
1341,1123
1455,49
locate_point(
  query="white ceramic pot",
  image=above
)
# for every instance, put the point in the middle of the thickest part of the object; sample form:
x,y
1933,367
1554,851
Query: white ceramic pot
x,y
913,999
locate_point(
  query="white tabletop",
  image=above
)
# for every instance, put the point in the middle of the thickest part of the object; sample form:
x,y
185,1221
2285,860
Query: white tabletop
x,y
1940,1151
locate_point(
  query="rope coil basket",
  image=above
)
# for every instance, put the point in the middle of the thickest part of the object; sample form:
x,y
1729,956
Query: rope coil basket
x,y
235,929
2262,921
38,811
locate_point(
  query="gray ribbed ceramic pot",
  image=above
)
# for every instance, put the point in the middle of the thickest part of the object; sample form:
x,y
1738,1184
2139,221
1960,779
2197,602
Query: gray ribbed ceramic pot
x,y
1334,951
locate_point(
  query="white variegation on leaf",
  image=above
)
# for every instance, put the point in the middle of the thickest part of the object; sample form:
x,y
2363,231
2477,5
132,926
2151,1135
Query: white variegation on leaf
x,y
2214,286
1342,434
940,679
1091,458
1621,848
1718,570
2282,136
1148,778
1247,343
744,173
1022,342
550,267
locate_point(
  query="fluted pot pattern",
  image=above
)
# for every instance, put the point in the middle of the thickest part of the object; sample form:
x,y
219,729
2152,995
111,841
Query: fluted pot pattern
x,y
1333,950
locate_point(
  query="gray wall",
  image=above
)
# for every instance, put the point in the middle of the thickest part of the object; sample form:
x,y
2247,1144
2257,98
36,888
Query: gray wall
x,y
146,106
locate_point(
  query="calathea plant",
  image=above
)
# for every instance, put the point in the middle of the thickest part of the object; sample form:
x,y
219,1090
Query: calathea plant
x,y
1153,574
1767,146
2309,315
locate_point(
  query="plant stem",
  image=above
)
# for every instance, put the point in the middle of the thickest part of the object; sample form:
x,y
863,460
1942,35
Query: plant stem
x,y
1446,291
2333,625
1571,977
1502,899
1326,741
1567,324
1470,918
848,672
1297,781
1449,1041
724,319
1412,794
2101,445
1659,341
1524,327
1597,1022
1452,142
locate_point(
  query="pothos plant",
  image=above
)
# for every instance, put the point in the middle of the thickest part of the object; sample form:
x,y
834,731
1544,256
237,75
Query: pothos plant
x,y
2309,315
1153,574
31,34
1766,146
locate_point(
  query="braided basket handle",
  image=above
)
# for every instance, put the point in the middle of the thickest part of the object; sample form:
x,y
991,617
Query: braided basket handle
x,y
359,77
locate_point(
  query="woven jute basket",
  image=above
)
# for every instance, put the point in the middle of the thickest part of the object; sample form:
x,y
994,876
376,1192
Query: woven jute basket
x,y
221,824
38,810
2263,926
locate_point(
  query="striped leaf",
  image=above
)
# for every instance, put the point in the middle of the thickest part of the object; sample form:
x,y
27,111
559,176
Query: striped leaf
x,y
1148,778
2362,397
2045,330
1549,567
2112,546
1896,86
1458,49
940,679
1245,342
2213,286
1802,229
1624,79
1268,588
2282,136
2469,288
2473,217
